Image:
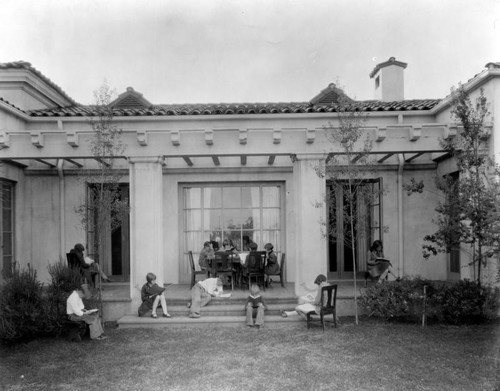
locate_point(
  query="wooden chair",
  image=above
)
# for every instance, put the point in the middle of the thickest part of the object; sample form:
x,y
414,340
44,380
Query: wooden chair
x,y
88,276
328,306
194,272
224,267
256,268
281,273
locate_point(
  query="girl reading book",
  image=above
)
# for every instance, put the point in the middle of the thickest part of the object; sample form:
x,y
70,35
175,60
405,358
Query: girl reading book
x,y
153,295
378,265
255,307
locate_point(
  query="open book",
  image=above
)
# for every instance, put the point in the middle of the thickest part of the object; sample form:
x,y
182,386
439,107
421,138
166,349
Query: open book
x,y
383,260
155,290
91,311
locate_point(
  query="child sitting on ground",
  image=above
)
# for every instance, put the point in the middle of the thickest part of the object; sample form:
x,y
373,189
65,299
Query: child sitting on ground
x,y
152,295
255,307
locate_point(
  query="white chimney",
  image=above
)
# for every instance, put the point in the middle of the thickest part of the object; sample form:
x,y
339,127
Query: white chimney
x,y
389,80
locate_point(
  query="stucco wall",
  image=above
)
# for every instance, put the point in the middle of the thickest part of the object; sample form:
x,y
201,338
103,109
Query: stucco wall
x,y
37,233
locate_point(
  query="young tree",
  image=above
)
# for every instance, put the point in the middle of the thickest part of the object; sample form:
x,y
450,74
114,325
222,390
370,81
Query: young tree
x,y
350,173
469,213
104,210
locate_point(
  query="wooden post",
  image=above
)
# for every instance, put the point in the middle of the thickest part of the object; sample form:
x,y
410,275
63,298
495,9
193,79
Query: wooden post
x,y
423,311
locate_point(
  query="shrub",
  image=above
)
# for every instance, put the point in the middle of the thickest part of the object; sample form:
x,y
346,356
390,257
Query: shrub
x,y
64,280
22,308
463,302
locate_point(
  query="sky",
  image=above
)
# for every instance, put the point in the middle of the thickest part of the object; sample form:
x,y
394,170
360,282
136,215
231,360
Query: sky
x,y
231,51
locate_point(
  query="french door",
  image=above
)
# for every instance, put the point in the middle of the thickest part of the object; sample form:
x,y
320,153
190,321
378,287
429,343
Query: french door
x,y
354,222
111,247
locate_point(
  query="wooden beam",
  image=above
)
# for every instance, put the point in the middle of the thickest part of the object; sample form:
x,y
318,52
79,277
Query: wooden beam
x,y
216,160
99,160
51,165
414,157
384,158
243,159
188,161
271,159
74,162
358,156
15,163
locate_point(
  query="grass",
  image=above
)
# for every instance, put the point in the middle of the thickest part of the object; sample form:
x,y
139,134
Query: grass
x,y
370,356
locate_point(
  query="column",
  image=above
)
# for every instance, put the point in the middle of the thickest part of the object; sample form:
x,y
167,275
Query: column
x,y
146,223
309,192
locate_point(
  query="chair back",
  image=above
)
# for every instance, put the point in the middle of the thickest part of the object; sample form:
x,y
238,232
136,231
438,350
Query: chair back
x,y
256,261
191,260
223,261
328,298
282,262
73,261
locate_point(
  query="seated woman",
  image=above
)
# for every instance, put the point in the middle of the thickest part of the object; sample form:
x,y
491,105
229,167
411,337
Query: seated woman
x,y
152,295
271,262
309,302
207,254
378,265
88,265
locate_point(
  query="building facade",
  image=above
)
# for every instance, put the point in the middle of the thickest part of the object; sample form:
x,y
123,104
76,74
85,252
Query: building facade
x,y
200,172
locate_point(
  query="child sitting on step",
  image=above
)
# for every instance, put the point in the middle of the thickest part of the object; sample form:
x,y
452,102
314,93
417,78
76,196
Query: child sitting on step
x,y
255,307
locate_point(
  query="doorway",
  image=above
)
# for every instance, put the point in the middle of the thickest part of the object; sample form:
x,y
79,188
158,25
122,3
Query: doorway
x,y
348,247
110,245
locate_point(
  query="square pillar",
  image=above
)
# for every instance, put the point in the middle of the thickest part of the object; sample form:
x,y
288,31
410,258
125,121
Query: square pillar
x,y
146,223
310,213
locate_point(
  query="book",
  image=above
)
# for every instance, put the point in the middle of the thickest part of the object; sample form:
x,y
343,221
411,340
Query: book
x,y
155,290
255,300
383,260
91,311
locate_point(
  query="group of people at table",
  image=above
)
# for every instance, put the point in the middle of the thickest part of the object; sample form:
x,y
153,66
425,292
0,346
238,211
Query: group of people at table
x,y
153,296
210,251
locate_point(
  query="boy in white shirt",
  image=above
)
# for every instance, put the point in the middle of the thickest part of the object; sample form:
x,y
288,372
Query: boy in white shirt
x,y
76,312
201,294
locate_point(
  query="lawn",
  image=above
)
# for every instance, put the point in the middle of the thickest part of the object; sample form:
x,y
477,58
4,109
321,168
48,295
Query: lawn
x,y
370,356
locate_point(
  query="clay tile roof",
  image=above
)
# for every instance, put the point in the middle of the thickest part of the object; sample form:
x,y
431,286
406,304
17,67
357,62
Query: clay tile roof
x,y
26,65
10,104
242,108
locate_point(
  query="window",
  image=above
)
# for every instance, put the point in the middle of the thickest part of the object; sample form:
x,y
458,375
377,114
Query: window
x,y
7,218
241,213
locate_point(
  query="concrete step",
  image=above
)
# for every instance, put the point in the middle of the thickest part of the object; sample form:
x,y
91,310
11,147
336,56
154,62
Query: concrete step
x,y
270,321
230,309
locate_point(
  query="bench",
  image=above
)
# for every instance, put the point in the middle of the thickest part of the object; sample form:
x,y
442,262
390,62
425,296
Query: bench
x,y
75,330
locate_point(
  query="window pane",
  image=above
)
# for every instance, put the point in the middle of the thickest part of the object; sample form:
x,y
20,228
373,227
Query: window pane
x,y
7,243
235,237
271,196
212,197
248,237
192,197
215,236
250,197
270,219
212,220
7,220
193,220
250,218
194,241
232,219
231,197
272,237
6,195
